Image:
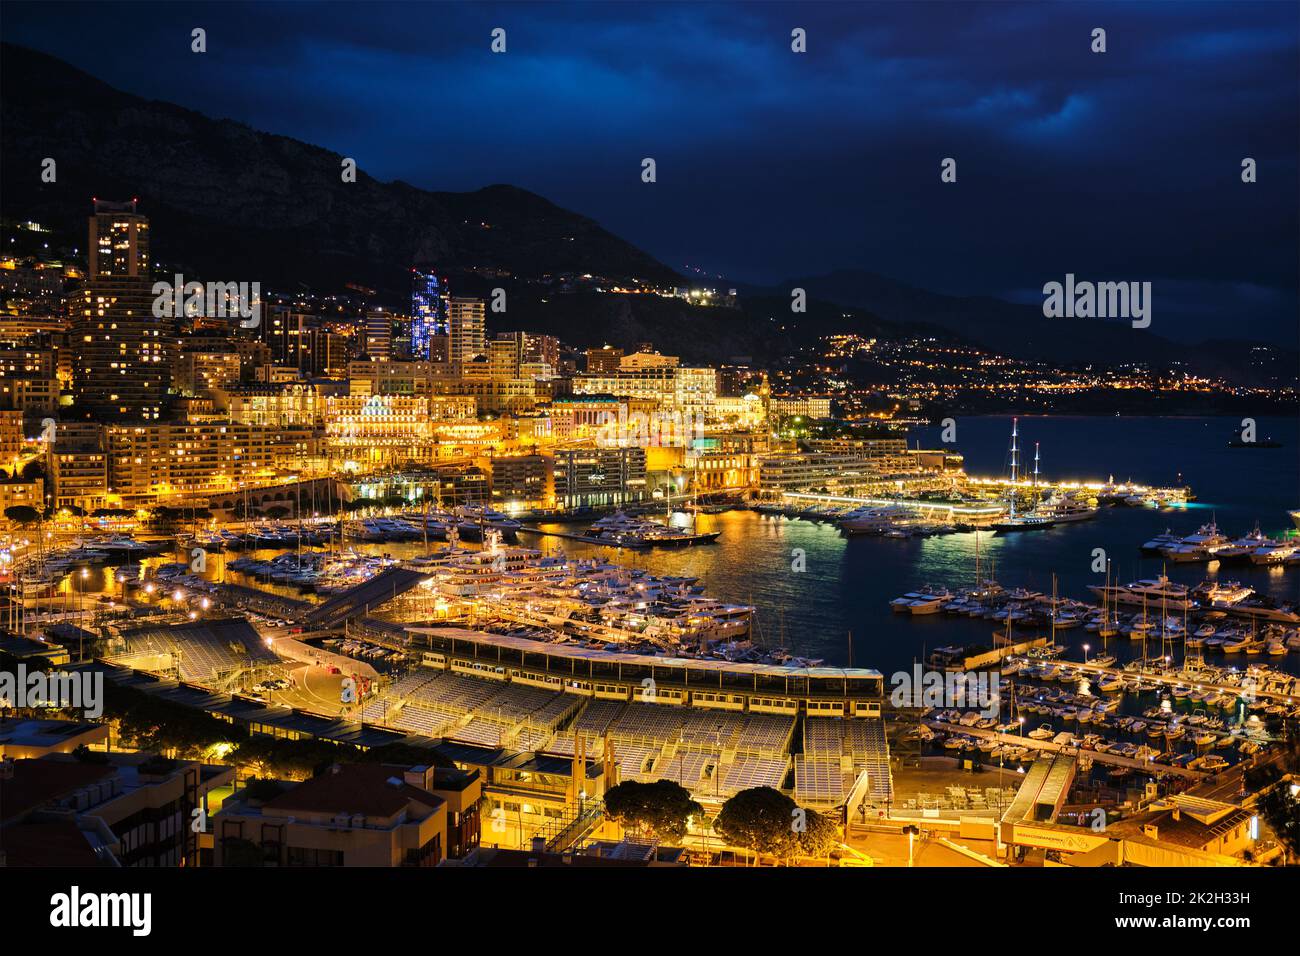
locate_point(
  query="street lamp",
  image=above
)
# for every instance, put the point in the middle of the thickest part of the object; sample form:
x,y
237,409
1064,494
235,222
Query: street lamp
x,y
911,831
81,595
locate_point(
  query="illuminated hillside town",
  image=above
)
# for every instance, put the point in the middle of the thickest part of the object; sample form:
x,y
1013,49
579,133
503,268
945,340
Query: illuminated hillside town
x,y
350,529
451,531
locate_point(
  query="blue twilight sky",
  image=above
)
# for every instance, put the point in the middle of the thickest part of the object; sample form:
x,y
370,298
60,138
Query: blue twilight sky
x,y
1123,165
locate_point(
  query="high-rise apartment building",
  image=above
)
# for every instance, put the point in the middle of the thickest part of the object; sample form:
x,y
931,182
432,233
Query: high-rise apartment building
x,y
535,349
121,367
379,334
467,321
604,359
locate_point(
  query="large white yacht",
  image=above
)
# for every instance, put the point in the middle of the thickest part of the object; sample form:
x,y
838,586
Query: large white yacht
x,y
1155,592
874,520
1204,545
631,532
1066,508
472,517
1243,546
1223,594
1273,552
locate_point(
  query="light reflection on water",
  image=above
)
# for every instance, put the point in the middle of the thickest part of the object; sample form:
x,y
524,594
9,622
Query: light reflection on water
x,y
848,583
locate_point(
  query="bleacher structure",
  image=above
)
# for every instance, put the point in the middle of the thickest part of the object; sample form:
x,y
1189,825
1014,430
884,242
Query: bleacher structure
x,y
471,710
716,753
213,652
836,753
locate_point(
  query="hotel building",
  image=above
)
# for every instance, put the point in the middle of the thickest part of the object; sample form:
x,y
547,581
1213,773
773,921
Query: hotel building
x,y
599,477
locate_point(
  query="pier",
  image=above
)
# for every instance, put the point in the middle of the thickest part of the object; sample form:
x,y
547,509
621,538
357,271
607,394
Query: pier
x,y
680,541
1184,679
1048,746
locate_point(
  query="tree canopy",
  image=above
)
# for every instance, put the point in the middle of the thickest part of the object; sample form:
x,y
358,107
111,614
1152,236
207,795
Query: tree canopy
x,y
661,808
767,821
760,819
22,514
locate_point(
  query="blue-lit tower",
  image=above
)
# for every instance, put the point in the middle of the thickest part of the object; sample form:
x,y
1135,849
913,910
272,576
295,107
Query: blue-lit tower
x,y
428,311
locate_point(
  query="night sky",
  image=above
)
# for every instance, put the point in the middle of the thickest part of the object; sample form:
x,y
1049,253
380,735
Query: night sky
x,y
1120,166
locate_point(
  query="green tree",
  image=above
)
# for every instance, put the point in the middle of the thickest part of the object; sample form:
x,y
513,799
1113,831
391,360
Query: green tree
x,y
1282,812
820,835
22,515
760,819
661,809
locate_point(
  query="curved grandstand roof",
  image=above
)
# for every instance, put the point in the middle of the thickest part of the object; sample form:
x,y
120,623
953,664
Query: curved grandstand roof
x,y
203,649
577,652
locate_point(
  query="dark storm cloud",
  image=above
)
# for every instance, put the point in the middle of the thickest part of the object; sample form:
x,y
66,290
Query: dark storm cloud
x,y
1121,166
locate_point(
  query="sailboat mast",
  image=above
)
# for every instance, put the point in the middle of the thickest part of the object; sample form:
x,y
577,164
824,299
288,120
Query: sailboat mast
x,y
1053,609
1012,495
1035,474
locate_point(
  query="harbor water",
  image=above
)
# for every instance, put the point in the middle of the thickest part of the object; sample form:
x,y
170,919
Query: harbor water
x,y
813,587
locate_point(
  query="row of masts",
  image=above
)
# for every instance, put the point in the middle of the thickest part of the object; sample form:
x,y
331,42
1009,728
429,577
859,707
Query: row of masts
x,y
1011,495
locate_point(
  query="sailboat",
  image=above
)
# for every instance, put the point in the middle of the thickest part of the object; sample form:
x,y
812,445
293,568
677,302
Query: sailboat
x,y
1109,626
1107,629
1025,522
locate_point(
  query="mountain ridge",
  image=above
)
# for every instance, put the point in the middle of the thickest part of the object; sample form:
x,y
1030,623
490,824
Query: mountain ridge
x,y
233,203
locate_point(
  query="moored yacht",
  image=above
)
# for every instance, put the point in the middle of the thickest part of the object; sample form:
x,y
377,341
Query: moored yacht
x,y
1157,592
1204,545
1274,552
472,517
630,532
1240,549
1222,594
1066,509
1161,541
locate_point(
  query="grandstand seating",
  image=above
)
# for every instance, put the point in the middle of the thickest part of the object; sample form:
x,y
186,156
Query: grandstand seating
x,y
205,651
711,752
633,759
649,722
765,734
598,715
486,733
747,772
819,780
687,768
823,736
413,720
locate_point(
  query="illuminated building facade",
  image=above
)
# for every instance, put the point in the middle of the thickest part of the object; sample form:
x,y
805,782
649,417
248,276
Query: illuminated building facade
x,y
199,372
379,334
121,368
806,406
672,388
370,431
428,313
599,477
29,379
171,461
522,481
79,465
467,321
